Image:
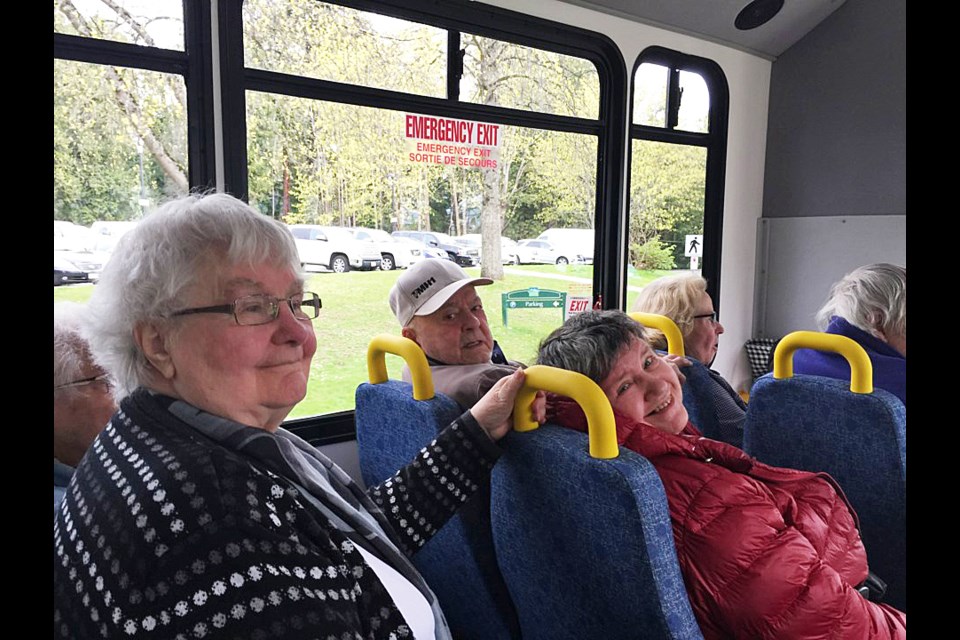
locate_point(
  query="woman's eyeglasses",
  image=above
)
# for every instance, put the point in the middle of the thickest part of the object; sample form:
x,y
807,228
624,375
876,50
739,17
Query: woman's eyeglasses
x,y
260,309
712,316
103,378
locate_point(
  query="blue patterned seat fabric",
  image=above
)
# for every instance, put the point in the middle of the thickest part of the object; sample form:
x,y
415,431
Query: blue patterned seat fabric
x,y
698,401
818,424
458,562
586,545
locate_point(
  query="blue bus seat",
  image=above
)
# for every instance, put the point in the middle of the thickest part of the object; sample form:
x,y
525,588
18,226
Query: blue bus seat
x,y
698,390
583,535
459,562
819,424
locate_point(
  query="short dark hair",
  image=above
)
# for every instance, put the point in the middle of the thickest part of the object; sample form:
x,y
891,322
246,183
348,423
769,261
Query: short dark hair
x,y
590,342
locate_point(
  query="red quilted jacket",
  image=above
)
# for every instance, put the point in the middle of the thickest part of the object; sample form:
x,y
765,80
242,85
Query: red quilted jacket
x,y
765,552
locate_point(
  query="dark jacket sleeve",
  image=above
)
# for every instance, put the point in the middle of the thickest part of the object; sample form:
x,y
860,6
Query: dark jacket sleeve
x,y
422,496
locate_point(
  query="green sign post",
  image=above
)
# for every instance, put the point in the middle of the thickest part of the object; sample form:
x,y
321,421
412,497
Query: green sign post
x,y
533,298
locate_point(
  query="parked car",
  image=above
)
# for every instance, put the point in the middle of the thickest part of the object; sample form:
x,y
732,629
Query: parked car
x,y
419,251
508,250
334,248
533,251
463,256
65,271
475,240
393,255
90,262
571,242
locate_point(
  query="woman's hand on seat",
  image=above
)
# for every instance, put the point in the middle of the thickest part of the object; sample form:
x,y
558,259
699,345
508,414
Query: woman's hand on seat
x,y
493,410
676,362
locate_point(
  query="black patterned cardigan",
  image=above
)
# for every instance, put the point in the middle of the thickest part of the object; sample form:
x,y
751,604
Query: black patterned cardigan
x,y
165,535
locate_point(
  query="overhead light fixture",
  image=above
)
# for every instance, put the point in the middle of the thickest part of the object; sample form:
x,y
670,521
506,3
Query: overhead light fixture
x,y
757,13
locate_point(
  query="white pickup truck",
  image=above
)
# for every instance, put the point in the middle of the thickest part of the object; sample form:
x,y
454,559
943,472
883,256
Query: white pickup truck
x,y
334,248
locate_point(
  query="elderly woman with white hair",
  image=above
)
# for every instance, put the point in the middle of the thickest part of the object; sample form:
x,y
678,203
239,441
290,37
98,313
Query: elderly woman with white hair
x,y
195,513
868,305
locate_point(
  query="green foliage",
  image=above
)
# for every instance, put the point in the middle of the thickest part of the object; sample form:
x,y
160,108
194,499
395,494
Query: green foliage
x,y
666,194
119,134
653,254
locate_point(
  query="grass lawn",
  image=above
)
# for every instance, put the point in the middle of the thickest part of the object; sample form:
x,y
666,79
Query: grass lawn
x,y
355,309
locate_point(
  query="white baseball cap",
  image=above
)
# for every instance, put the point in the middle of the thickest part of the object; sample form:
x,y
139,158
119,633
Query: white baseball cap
x,y
426,286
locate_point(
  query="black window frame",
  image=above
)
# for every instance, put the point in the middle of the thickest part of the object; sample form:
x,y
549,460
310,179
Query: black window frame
x,y
194,64
714,140
456,16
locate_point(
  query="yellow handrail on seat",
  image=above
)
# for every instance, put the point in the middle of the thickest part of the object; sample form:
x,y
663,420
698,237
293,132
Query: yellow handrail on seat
x,y
407,349
664,324
861,369
601,428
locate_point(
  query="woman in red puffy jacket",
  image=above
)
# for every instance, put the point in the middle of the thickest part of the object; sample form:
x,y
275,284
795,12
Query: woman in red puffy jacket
x,y
765,552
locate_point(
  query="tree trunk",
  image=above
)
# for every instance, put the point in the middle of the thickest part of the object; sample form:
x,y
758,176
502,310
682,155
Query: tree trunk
x,y
423,200
491,213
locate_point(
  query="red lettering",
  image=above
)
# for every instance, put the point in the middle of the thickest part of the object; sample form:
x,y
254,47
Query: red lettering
x,y
445,129
487,134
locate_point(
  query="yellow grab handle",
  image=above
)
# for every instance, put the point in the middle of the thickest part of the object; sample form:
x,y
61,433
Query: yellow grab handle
x,y
664,324
601,428
407,349
861,370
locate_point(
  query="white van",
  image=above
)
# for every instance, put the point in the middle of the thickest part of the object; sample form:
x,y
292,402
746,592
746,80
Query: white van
x,y
578,242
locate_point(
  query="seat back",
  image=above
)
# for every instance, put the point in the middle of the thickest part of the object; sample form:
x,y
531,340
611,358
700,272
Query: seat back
x,y
699,386
855,433
459,562
584,541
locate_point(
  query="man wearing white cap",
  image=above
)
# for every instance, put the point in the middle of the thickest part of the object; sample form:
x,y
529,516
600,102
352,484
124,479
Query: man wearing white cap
x,y
438,307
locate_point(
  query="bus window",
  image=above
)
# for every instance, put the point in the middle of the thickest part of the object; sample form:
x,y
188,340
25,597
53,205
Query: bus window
x,y
120,141
678,140
650,98
132,109
510,75
367,140
153,23
338,43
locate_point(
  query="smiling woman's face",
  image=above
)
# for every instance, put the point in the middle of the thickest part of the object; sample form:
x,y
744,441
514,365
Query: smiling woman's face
x,y
644,387
250,374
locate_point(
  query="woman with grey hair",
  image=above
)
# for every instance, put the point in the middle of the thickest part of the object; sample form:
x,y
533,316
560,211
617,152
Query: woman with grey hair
x,y
868,305
195,513
765,552
82,396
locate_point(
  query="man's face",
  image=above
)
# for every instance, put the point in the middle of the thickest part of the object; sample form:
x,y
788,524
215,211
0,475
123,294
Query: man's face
x,y
80,412
457,332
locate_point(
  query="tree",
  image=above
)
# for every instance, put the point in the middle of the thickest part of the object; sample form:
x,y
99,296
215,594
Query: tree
x,y
666,194
521,77
119,133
